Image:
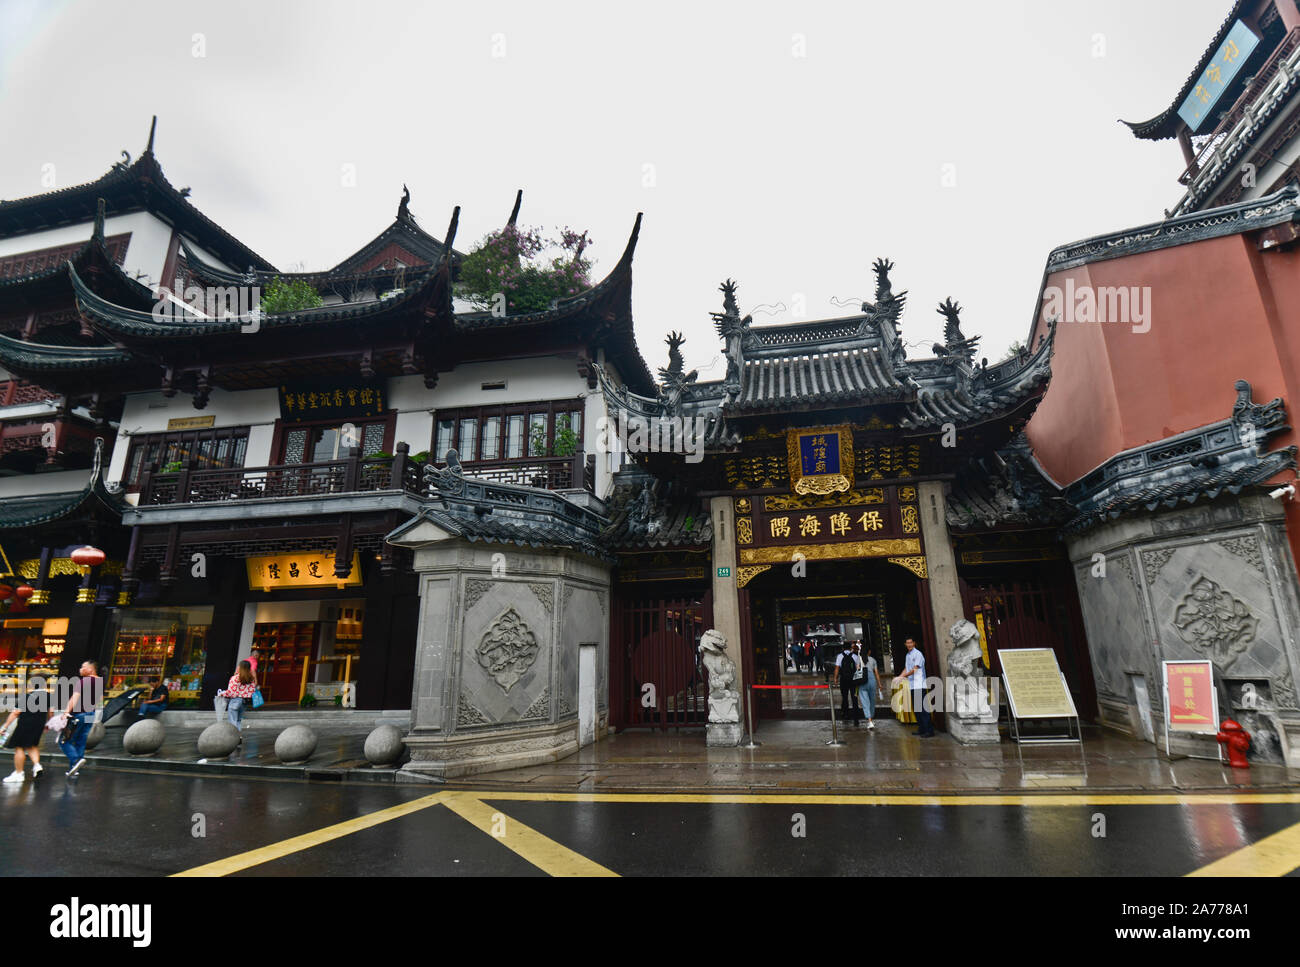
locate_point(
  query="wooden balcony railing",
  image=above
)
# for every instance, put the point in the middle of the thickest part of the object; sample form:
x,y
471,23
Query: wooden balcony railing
x,y
355,474
548,473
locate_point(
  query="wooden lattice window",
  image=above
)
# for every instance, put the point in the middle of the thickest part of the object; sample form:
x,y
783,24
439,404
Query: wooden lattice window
x,y
26,263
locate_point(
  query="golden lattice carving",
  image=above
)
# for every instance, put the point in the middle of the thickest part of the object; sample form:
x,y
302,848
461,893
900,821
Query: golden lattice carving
x,y
874,495
830,552
746,574
836,483
744,530
742,505
914,563
907,494
62,567
911,523
863,613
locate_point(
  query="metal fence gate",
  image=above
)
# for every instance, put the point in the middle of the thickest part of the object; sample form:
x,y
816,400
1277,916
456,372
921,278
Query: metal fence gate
x,y
657,678
1036,613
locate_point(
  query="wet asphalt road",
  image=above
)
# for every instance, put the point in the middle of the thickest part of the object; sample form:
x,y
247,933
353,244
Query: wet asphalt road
x,y
121,823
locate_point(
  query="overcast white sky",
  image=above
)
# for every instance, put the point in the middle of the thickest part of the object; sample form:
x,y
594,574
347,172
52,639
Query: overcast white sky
x,y
791,144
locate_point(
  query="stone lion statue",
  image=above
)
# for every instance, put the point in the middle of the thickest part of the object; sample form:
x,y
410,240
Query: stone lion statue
x,y
965,659
721,669
965,668
723,696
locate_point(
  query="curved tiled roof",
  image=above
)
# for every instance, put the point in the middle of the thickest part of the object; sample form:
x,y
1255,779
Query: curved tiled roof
x,y
92,257
136,325
18,513
977,395
677,521
820,379
24,358
1205,484
140,186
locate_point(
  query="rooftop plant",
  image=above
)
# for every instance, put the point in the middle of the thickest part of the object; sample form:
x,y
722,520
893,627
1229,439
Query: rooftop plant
x,y
282,296
516,270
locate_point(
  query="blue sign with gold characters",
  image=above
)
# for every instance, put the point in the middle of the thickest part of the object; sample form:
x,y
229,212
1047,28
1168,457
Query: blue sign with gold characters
x,y
1218,74
820,459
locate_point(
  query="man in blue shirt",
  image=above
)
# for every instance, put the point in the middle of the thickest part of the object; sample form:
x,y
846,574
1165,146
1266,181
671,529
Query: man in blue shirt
x,y
915,669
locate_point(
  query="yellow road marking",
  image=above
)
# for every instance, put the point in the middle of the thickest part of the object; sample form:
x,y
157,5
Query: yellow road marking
x,y
818,799
1275,855
1269,856
275,851
542,851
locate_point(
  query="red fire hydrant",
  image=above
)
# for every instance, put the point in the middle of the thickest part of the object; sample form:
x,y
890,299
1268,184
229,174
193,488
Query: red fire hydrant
x,y
1236,740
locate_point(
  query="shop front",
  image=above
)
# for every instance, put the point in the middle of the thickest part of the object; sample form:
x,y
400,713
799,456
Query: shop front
x,y
29,647
307,631
170,643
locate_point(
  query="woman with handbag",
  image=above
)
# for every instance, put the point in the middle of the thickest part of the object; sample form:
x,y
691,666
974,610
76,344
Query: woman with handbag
x,y
868,687
239,692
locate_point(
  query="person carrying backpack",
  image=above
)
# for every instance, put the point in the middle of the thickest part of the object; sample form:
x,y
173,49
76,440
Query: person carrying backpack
x,y
848,667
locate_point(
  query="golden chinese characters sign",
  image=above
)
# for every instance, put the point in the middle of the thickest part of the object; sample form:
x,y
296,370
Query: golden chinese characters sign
x,y
1035,687
326,399
858,523
308,569
820,459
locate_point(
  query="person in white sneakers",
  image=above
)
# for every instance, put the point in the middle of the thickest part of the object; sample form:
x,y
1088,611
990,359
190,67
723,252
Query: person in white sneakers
x,y
25,739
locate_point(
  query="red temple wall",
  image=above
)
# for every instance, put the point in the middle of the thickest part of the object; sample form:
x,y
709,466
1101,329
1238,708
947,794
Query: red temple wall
x,y
1220,310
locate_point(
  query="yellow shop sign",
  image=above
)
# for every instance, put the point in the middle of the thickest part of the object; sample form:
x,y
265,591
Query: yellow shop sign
x,y
309,569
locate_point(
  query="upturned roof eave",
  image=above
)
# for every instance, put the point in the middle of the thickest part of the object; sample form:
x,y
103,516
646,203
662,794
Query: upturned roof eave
x,y
1165,124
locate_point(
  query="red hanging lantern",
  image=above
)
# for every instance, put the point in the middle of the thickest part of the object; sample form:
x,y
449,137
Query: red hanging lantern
x,y
87,556
24,591
6,592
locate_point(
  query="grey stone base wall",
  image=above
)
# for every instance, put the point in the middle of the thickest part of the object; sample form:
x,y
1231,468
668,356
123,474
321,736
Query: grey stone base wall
x,y
1212,581
497,660
446,757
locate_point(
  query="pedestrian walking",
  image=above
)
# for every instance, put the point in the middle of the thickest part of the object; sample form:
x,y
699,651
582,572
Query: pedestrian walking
x,y
25,739
868,687
87,692
914,670
847,667
238,693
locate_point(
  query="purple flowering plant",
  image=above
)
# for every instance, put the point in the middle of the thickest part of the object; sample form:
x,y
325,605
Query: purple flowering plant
x,y
532,271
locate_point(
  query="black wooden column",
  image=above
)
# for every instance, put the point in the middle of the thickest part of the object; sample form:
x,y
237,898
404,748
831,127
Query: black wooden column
x,y
85,628
230,589
387,662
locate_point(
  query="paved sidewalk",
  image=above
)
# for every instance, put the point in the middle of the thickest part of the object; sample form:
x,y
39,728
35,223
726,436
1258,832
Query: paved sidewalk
x,y
793,757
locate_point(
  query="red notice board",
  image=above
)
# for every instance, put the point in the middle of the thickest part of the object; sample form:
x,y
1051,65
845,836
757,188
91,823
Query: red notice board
x,y
1190,699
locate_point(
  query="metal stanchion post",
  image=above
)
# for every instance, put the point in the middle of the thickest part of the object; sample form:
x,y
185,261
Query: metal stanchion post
x,y
749,714
835,739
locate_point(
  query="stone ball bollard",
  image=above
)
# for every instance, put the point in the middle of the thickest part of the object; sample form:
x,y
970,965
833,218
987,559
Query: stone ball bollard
x,y
218,740
295,744
97,733
384,746
144,738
